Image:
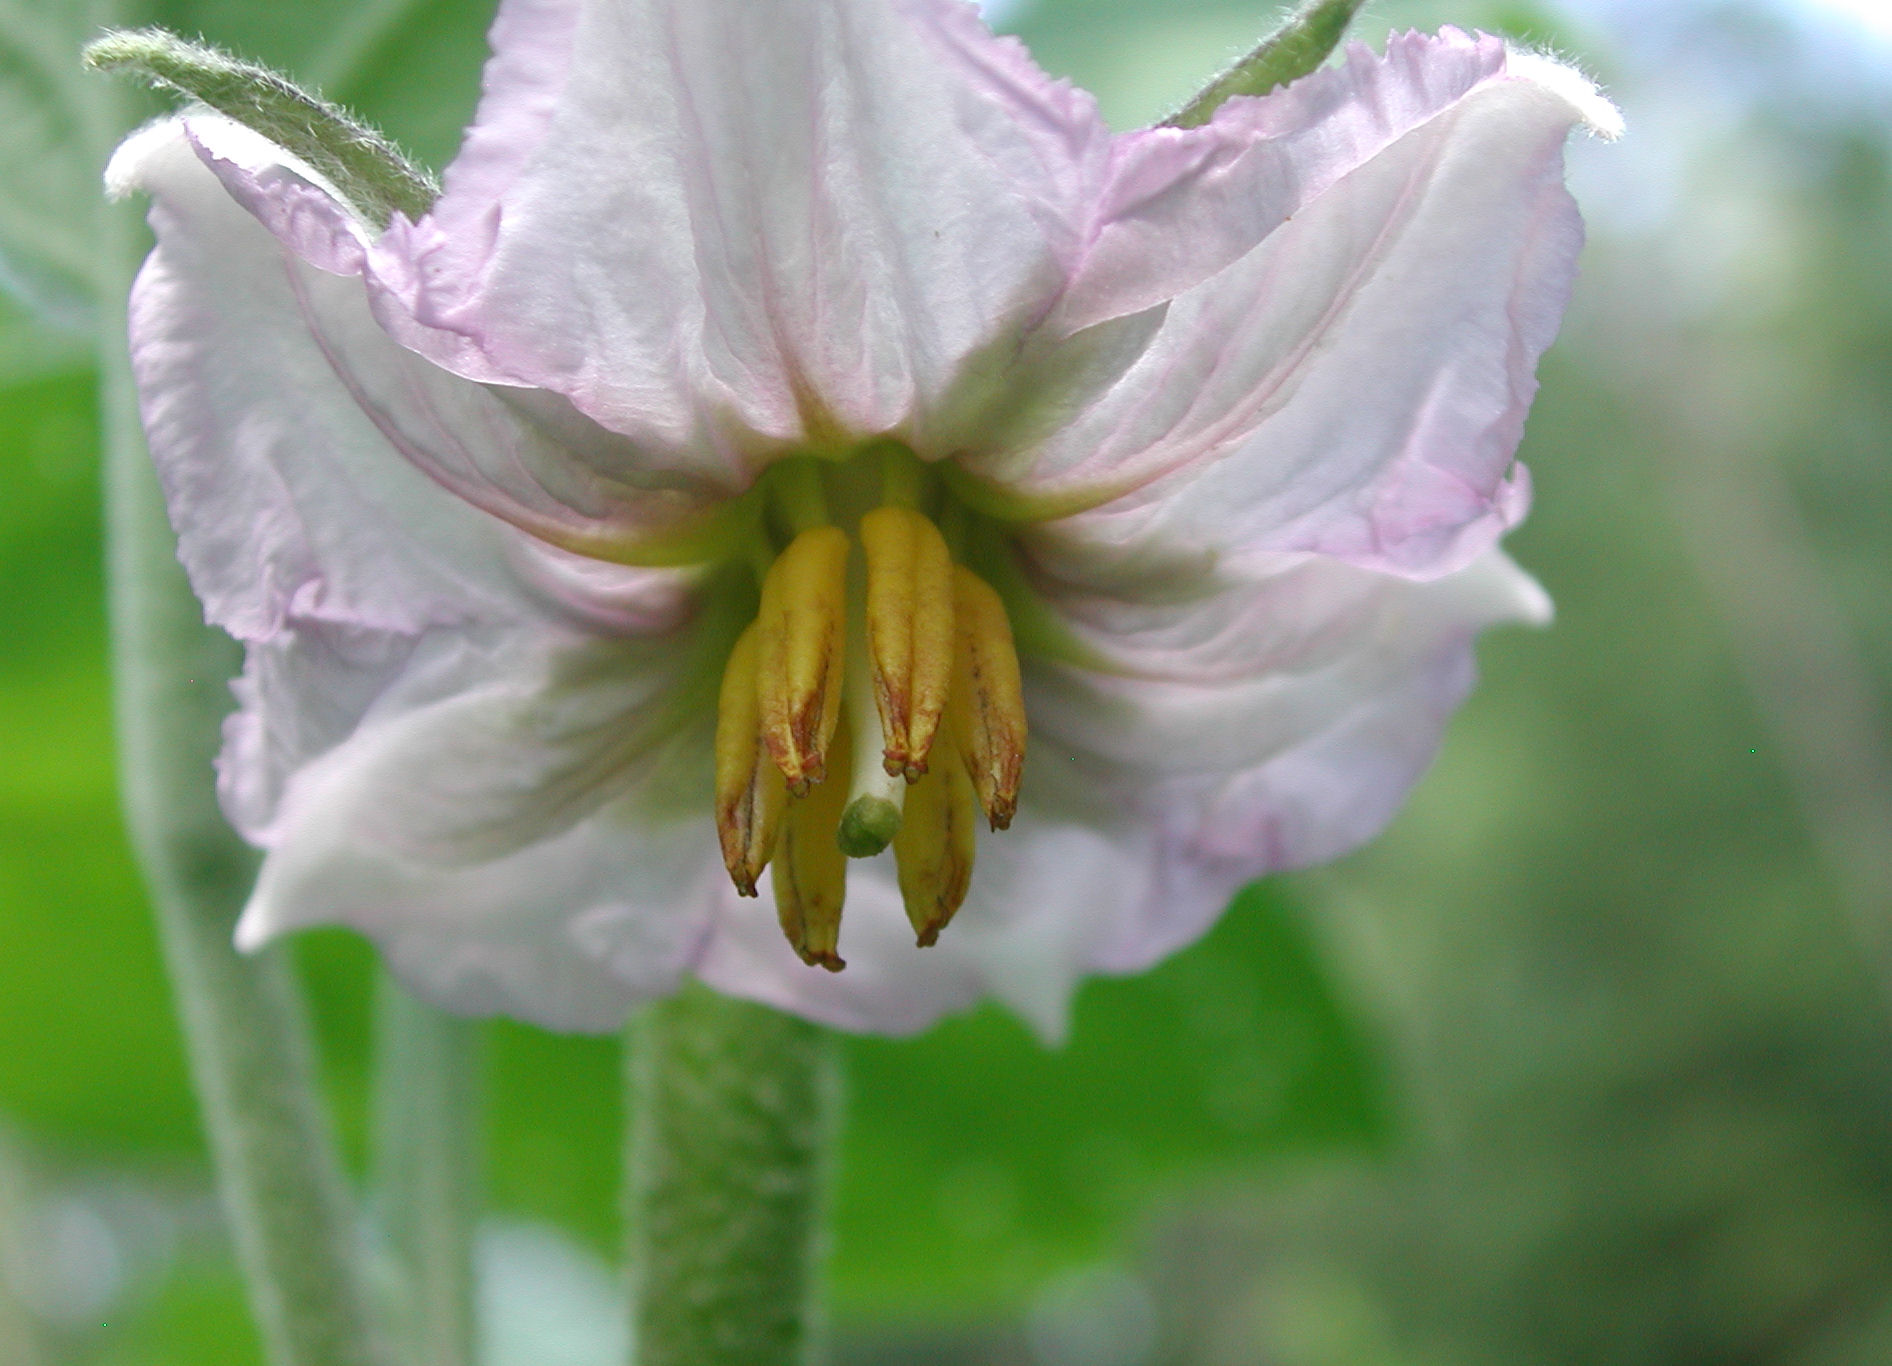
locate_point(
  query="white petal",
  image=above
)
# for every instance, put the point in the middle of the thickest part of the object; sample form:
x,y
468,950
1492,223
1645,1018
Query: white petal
x,y
307,458
1182,204
788,213
285,496
1269,727
303,691
513,822
1356,385
1226,681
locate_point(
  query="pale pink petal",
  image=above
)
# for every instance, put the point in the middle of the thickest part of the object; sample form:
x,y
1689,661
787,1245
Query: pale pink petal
x,y
1230,678
306,687
1273,724
303,691
524,454
285,496
739,223
1182,204
314,467
515,819
1141,217
1356,385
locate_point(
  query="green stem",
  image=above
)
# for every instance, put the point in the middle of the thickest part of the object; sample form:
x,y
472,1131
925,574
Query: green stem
x,y
426,1170
242,1018
733,1110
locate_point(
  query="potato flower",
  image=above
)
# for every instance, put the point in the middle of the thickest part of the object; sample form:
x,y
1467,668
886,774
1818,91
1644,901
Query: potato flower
x,y
806,481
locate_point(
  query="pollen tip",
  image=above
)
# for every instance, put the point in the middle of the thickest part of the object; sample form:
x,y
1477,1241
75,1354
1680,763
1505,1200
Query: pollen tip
x,y
894,762
927,937
914,770
822,958
799,786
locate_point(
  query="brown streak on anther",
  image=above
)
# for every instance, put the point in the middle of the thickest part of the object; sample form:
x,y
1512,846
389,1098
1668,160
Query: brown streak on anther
x,y
801,628
987,697
909,632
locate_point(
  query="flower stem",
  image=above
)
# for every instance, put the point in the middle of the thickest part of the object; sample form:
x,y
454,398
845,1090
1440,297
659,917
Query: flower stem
x,y
733,1110
242,1018
427,1173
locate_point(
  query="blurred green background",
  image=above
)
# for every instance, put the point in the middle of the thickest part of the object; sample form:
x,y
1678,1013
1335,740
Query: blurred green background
x,y
1588,1060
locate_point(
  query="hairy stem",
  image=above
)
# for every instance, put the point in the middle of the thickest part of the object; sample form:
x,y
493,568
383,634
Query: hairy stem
x,y
427,1173
242,1018
733,1115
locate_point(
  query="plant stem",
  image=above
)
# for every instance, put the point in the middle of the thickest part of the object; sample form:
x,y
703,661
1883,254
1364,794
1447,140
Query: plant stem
x,y
733,1110
426,1172
242,1018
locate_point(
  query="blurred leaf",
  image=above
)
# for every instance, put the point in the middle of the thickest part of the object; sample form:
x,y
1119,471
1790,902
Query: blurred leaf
x,y
978,1162
93,1057
46,163
202,1316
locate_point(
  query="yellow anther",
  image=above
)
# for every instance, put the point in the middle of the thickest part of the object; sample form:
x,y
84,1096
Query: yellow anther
x,y
909,631
987,699
749,791
809,874
934,848
801,632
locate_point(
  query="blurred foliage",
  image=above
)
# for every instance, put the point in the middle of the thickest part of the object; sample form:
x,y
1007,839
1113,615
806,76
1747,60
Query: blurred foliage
x,y
1612,967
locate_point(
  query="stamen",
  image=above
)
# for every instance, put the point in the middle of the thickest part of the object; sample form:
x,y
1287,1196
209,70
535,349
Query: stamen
x,y
987,699
749,792
865,670
935,848
802,625
809,872
909,631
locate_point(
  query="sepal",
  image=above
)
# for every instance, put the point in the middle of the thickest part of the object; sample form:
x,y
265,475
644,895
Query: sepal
x,y
371,173
1289,53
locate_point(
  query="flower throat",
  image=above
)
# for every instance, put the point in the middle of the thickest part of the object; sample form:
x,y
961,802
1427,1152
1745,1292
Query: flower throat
x,y
873,702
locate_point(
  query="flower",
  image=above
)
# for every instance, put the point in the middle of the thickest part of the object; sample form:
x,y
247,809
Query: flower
x,y
826,367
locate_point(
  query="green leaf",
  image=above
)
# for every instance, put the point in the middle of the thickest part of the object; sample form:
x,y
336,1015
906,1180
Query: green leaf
x,y
1293,50
370,171
978,1162
81,978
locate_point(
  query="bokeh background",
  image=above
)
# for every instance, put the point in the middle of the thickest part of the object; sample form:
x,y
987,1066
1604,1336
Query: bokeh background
x,y
1587,1060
